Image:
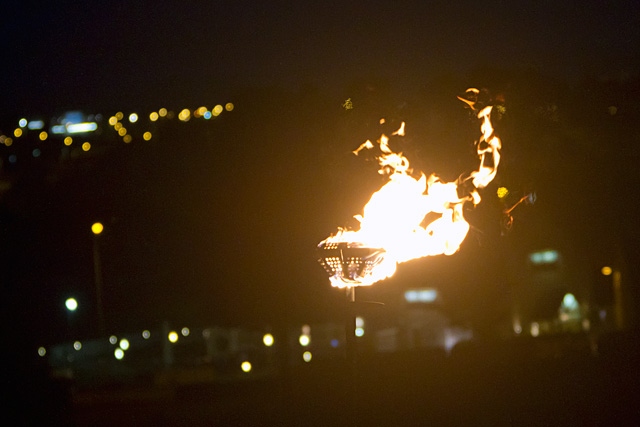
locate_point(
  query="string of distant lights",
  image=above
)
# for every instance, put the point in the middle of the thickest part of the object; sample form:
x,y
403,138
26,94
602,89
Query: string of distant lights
x,y
74,126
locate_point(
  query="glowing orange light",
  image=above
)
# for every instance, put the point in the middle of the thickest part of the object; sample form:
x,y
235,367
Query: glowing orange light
x,y
393,218
68,140
86,146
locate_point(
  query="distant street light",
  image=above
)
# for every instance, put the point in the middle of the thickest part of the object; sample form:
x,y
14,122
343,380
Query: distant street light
x,y
97,229
71,304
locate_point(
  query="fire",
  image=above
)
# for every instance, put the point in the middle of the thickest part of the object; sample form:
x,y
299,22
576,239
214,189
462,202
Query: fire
x,y
392,226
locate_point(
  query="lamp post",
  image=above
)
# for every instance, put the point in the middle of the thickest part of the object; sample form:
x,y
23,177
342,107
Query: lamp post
x,y
97,229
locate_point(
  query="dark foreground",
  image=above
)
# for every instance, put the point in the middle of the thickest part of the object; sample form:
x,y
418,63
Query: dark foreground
x,y
558,383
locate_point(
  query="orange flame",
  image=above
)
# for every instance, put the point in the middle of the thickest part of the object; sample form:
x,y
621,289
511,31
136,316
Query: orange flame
x,y
393,218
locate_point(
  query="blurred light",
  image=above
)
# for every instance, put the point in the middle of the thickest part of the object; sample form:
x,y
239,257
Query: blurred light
x,y
81,127
97,228
268,340
146,136
133,117
548,256
382,121
42,351
502,192
359,322
36,152
68,140
43,136
113,339
612,110
77,345
8,142
71,304
113,120
207,115
122,131
22,122
606,270
246,366
173,337
58,129
162,112
117,126
217,110
146,334
86,146
118,353
185,332
17,132
228,106
304,340
119,115
127,139
124,344
535,329
206,333
586,324
420,295
201,111
12,158
184,115
359,332
35,125
335,343
306,330
569,302
153,116
306,356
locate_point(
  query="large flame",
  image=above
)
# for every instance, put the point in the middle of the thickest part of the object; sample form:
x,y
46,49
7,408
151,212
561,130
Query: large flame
x,y
393,220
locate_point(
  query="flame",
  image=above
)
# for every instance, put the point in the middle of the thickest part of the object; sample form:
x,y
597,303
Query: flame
x,y
393,220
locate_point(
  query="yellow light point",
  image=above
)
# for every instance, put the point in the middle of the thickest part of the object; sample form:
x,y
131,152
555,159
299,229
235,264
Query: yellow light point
x,y
147,136
153,116
42,351
118,353
77,345
8,142
268,340
502,192
68,140
119,115
113,120
202,110
217,110
173,337
184,115
306,356
17,132
97,228
127,139
304,340
124,344
162,112
117,126
43,136
606,270
86,146
122,131
246,366
382,120
229,106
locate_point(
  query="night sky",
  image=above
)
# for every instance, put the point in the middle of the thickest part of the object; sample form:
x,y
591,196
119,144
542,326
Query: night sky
x,y
226,232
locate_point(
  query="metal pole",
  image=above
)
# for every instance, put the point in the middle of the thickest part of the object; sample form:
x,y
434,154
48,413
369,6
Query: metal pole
x,y
97,269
